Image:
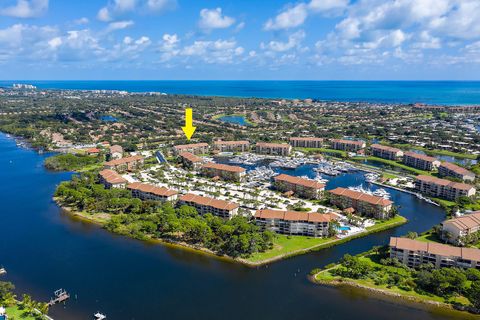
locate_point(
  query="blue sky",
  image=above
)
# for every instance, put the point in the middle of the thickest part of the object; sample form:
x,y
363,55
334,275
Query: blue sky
x,y
242,39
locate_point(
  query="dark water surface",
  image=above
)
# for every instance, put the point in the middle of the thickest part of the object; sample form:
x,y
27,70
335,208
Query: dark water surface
x,y
44,250
430,92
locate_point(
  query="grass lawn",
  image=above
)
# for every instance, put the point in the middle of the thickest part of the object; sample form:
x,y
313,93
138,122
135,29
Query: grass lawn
x,y
394,164
338,153
289,245
15,313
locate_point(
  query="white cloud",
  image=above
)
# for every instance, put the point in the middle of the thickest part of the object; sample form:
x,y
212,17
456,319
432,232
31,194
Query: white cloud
x,y
81,21
119,25
294,41
116,8
219,51
213,19
26,9
294,16
290,18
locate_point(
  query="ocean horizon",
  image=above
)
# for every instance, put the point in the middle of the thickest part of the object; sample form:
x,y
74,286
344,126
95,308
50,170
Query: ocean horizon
x,y
441,92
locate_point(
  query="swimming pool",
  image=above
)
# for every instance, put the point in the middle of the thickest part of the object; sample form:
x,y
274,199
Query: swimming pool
x,y
344,228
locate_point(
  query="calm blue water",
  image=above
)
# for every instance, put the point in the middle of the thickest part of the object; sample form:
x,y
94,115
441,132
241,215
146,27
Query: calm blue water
x,y
44,249
108,118
430,92
234,119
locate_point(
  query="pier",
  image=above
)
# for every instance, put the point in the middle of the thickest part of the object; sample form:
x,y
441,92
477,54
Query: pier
x,y
60,296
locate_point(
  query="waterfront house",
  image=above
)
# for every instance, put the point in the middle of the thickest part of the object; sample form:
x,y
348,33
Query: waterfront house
x,y
413,253
294,222
306,142
195,148
111,179
231,146
225,172
145,191
454,230
448,169
204,205
442,188
125,164
364,204
420,161
304,188
348,145
190,161
115,152
386,152
274,149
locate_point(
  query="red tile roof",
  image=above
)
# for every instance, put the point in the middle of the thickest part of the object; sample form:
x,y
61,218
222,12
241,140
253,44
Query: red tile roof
x,y
444,182
209,202
159,191
360,196
294,215
306,139
457,169
386,148
300,181
435,248
223,167
189,146
116,162
231,143
352,142
190,157
465,222
420,156
111,176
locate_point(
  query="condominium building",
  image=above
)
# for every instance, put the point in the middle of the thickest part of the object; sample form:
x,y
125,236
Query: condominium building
x,y
306,142
223,171
304,188
413,253
386,152
145,191
442,188
125,164
454,230
362,203
348,145
448,169
115,152
204,205
420,161
294,222
231,146
275,149
195,148
190,161
111,179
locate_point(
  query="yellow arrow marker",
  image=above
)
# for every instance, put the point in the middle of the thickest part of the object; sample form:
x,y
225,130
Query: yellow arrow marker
x,y
189,129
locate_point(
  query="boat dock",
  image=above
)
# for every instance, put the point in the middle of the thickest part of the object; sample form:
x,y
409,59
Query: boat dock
x,y
60,296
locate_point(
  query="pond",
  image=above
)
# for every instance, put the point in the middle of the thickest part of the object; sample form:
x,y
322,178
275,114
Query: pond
x,y
240,120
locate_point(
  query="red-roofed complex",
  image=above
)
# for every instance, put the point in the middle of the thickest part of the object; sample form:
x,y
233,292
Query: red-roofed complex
x,y
195,148
420,161
386,152
442,188
306,142
301,187
447,169
145,191
413,253
363,203
457,229
190,161
275,149
125,164
116,152
111,179
226,172
206,205
348,145
294,222
231,146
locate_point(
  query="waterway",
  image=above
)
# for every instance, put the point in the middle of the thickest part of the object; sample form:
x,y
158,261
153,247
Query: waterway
x,y
44,249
